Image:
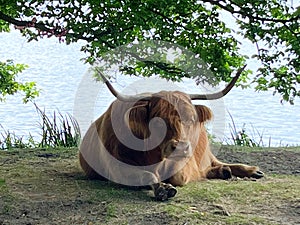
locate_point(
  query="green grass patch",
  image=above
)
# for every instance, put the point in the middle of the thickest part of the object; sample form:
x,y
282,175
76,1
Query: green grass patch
x,y
2,182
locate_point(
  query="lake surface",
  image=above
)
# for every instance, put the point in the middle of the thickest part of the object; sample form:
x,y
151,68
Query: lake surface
x,y
60,75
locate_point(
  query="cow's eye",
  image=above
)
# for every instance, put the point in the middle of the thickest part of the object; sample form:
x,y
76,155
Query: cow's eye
x,y
189,121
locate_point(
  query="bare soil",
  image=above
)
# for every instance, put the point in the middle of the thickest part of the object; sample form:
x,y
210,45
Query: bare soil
x,y
269,160
48,187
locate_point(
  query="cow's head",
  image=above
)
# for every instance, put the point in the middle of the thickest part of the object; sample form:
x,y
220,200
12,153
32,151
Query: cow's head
x,y
167,120
182,120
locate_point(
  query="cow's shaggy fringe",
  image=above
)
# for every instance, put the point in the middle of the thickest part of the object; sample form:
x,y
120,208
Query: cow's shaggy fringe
x,y
57,130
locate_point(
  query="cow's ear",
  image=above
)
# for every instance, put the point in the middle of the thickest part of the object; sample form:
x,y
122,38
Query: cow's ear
x,y
204,113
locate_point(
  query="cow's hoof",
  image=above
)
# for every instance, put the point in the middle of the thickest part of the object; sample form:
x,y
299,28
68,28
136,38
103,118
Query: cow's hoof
x,y
171,191
257,174
164,192
226,173
161,194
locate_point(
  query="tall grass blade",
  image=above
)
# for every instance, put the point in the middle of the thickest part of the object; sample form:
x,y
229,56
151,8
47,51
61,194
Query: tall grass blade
x,y
58,131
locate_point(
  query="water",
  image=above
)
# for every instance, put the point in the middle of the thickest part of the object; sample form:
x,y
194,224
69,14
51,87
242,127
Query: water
x,y
58,71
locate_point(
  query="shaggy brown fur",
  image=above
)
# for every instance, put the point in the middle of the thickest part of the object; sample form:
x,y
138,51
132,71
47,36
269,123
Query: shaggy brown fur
x,y
183,152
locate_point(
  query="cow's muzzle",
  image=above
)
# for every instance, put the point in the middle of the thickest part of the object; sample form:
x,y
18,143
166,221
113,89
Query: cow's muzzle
x,y
181,149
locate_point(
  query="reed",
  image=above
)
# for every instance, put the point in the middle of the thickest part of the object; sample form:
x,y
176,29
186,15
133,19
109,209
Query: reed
x,y
59,130
10,140
239,136
56,131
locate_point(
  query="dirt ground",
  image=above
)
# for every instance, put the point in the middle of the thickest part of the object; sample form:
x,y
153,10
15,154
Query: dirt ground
x,y
48,187
276,161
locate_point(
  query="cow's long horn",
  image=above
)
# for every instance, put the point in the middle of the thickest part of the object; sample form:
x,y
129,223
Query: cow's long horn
x,y
121,97
219,94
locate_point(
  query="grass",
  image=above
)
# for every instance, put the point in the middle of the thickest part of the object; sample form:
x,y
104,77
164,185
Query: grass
x,y
57,130
9,140
2,182
48,186
239,136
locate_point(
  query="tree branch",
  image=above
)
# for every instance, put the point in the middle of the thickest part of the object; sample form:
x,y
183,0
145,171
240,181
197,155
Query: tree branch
x,y
58,31
262,19
160,65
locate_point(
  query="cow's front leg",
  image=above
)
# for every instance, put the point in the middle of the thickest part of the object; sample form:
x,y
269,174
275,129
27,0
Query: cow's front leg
x,y
219,172
163,191
225,171
241,170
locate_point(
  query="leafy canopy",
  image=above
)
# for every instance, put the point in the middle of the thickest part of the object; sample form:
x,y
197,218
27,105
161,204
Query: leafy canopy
x,y
271,25
9,70
9,85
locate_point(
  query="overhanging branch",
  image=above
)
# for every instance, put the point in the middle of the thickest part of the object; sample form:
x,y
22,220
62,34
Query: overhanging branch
x,y
248,15
56,31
